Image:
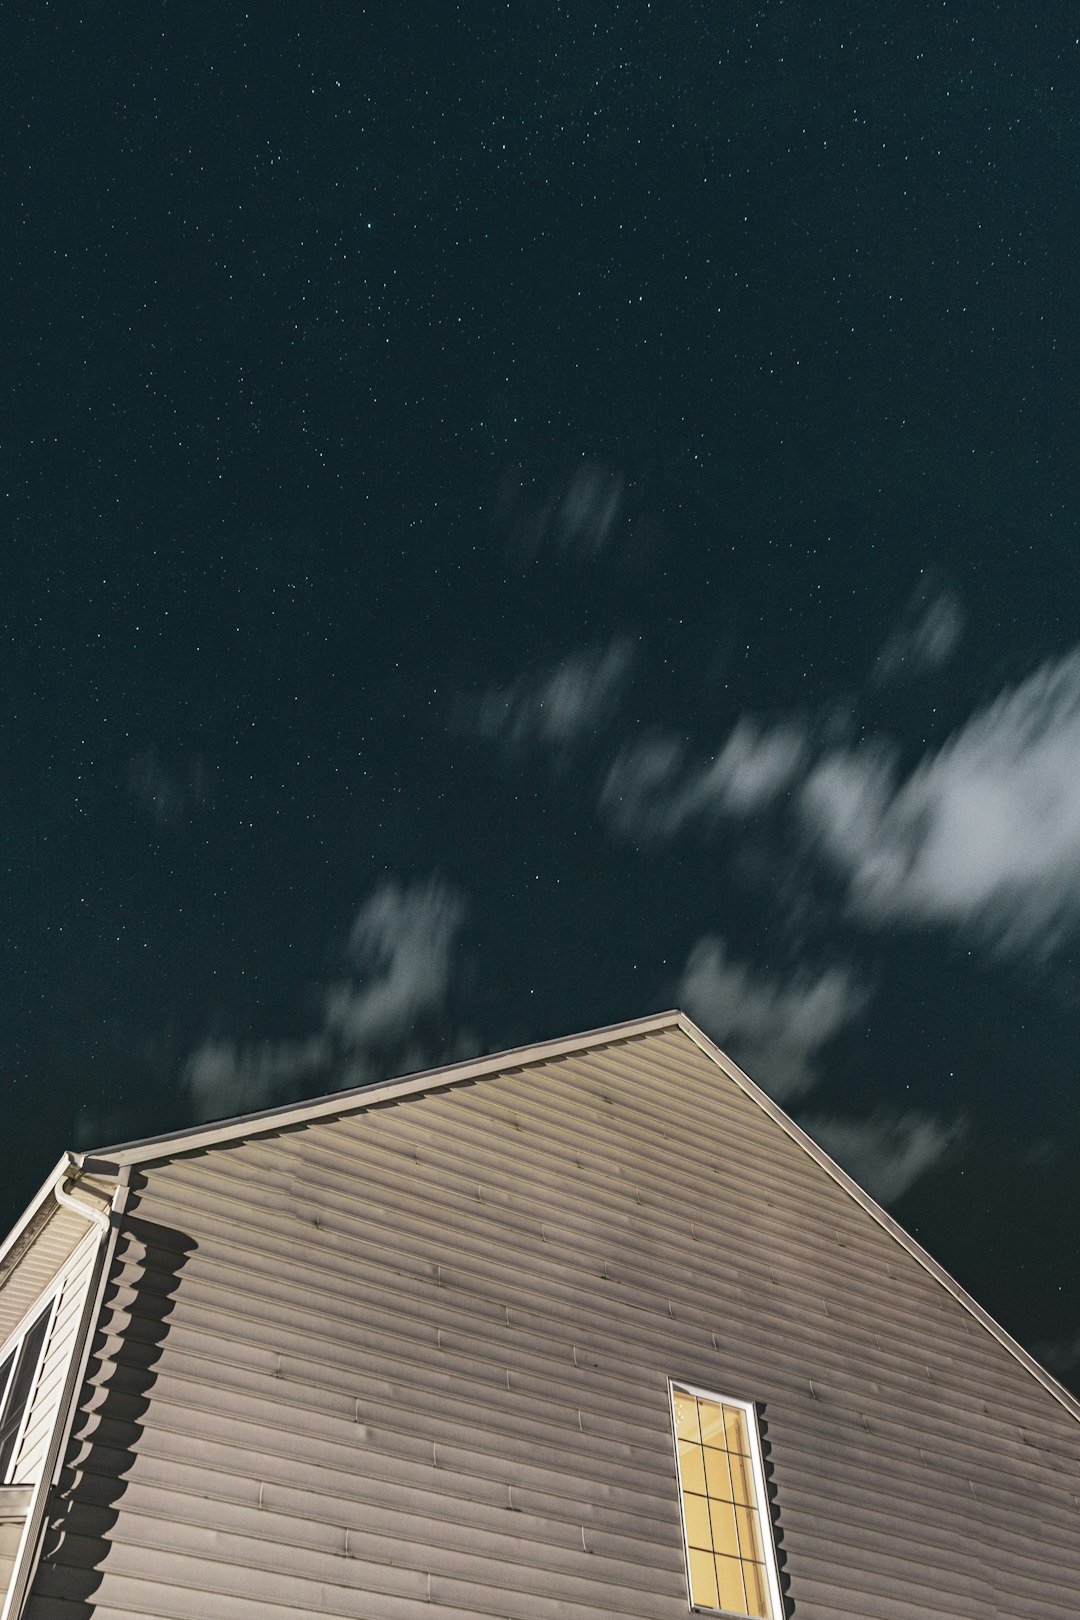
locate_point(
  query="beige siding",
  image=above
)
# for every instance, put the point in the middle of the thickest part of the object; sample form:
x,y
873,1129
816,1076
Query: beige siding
x,y
14,1502
418,1356
27,1274
45,1400
67,1280
10,1531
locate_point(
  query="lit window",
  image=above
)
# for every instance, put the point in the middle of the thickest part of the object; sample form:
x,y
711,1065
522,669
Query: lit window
x,y
731,1565
18,1374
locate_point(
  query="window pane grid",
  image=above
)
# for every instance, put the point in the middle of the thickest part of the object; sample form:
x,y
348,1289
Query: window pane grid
x,y
721,1513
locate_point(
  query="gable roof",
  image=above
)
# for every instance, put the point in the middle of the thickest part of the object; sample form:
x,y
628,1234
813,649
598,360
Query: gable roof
x,y
124,1157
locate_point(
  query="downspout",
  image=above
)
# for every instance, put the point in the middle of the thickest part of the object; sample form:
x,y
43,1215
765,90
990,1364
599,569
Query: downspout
x,y
99,1216
107,1219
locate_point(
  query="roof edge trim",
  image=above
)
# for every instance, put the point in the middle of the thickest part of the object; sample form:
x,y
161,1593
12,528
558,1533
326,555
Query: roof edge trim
x,y
880,1215
216,1132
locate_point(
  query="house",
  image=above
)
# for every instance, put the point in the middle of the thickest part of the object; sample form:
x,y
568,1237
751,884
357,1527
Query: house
x,y
583,1330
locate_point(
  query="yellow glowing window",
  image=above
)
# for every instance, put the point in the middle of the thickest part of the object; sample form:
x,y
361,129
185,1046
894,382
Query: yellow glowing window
x,y
731,1565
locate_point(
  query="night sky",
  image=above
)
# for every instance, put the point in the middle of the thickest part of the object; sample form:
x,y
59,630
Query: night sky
x,y
521,516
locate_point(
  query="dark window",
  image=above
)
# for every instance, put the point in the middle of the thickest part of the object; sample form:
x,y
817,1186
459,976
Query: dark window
x,y
17,1373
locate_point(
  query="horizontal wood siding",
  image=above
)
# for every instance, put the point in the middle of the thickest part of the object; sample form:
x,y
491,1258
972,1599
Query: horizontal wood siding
x,y
418,1357
37,1265
10,1532
45,1400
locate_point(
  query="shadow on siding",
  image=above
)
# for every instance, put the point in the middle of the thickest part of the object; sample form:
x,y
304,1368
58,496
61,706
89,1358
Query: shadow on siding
x,y
774,1511
84,1504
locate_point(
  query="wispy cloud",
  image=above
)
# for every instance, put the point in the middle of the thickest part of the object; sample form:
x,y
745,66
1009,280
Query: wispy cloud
x,y
926,637
775,1028
401,948
171,795
381,1018
587,509
557,709
984,834
225,1077
655,788
886,1153
578,516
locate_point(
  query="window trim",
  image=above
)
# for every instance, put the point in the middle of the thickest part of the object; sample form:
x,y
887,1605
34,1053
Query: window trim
x,y
772,1575
46,1308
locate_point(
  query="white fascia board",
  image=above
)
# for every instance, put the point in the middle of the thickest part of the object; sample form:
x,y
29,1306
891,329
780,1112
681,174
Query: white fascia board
x,y
358,1098
881,1216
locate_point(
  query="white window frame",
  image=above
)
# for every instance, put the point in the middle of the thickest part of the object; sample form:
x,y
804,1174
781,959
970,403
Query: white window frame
x,y
12,1346
772,1574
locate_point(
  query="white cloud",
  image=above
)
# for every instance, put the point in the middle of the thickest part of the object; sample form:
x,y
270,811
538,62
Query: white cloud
x,y
924,640
984,834
654,789
886,1153
402,949
402,946
556,709
774,1028
228,1077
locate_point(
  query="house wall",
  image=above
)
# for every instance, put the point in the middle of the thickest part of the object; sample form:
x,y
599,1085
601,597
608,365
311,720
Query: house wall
x,y
14,1502
70,1288
419,1357
44,1252
62,1270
